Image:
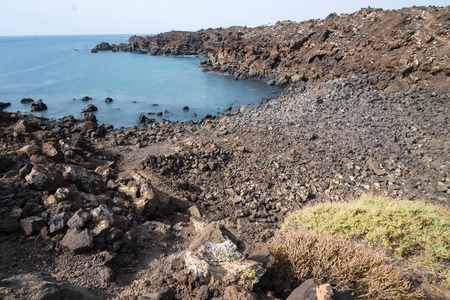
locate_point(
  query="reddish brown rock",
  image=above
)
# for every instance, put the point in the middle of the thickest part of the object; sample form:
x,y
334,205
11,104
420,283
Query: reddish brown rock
x,y
45,179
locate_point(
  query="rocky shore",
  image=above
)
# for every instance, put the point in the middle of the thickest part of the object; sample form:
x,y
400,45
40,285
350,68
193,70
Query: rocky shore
x,y
184,210
396,47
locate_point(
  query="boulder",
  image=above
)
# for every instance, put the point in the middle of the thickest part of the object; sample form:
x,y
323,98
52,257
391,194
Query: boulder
x,y
4,105
142,119
45,179
102,47
40,286
77,241
29,150
27,100
88,126
90,108
90,117
32,225
20,128
58,222
80,218
38,106
51,149
215,256
311,289
108,100
85,180
86,98
186,108
103,216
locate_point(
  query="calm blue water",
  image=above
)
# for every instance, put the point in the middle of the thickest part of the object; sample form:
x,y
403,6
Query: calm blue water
x,y
50,69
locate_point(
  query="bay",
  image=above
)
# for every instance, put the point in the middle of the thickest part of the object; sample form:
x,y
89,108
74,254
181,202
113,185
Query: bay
x,y
58,69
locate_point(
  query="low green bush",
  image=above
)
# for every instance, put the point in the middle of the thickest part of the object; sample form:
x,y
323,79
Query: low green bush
x,y
414,231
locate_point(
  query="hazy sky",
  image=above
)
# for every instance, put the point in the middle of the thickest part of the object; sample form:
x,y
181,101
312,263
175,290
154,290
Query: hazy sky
x,y
49,17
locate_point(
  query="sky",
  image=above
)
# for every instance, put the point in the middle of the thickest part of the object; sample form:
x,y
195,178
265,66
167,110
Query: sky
x,y
67,17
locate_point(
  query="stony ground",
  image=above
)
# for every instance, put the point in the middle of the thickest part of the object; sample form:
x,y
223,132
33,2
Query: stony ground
x,y
328,141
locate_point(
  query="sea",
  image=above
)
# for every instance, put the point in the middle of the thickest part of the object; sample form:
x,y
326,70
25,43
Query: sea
x,y
61,70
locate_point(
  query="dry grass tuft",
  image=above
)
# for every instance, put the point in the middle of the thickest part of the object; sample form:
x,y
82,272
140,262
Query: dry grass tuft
x,y
343,264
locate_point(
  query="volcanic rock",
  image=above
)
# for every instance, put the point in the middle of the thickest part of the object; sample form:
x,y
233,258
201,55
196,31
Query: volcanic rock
x,y
27,100
38,106
32,225
218,247
85,180
4,105
45,179
58,222
79,219
78,242
90,108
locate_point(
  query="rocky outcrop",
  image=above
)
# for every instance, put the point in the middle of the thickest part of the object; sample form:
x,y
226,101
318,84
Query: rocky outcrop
x,y
4,105
214,255
38,106
101,47
409,43
27,100
90,108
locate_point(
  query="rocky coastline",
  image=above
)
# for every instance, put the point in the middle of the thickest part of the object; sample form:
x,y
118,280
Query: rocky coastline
x,y
89,211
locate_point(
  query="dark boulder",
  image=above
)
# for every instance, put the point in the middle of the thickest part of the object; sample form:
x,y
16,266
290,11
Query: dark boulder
x,y
27,100
88,126
90,108
4,105
142,119
58,222
78,242
101,47
86,98
90,117
186,108
32,225
38,106
108,100
45,179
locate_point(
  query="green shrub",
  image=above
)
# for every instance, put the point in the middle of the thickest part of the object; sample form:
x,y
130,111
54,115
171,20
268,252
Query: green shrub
x,y
411,230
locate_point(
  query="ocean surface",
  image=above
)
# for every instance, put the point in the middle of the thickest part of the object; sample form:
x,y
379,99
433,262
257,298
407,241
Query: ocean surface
x,y
59,69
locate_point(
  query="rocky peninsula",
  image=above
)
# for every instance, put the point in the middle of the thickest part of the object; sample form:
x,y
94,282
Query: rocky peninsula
x,y
185,210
